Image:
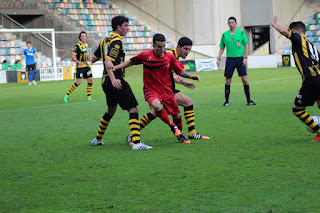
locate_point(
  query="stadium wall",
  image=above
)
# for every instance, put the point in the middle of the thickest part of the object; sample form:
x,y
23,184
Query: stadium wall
x,y
186,18
287,11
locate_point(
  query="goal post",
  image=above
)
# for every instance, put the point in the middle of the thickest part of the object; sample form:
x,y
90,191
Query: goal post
x,y
44,30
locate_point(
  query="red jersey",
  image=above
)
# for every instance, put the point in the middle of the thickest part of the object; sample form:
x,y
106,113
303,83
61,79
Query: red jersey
x,y
157,71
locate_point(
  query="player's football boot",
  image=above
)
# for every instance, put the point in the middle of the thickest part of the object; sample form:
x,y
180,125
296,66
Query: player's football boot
x,y
89,99
251,103
29,83
198,136
141,145
34,82
129,140
65,99
317,138
95,142
175,130
183,139
225,104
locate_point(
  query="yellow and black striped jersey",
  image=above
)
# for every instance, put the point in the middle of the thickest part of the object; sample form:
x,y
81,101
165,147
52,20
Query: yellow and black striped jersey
x,y
81,52
174,52
306,55
111,47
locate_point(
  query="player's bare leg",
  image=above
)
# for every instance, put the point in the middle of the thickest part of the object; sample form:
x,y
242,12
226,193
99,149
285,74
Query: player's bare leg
x,y
187,103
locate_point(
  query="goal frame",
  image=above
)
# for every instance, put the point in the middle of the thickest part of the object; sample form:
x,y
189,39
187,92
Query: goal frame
x,y
39,30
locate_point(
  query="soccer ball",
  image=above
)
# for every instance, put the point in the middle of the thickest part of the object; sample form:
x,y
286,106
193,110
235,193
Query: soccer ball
x,y
317,120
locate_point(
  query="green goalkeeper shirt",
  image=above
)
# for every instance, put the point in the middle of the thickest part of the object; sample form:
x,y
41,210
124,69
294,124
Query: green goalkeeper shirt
x,y
234,43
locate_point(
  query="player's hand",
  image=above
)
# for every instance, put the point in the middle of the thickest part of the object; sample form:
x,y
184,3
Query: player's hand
x,y
218,62
244,62
194,77
274,19
189,84
177,79
116,83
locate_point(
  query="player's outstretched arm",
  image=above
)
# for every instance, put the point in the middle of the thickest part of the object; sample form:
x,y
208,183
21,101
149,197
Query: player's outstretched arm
x,y
177,79
279,28
125,64
94,59
189,84
184,74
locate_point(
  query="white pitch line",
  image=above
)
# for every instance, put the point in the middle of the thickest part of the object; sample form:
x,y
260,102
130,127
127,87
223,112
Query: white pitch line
x,y
63,104
26,85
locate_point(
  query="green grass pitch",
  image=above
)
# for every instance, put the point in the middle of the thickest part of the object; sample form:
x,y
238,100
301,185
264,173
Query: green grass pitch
x,y
259,158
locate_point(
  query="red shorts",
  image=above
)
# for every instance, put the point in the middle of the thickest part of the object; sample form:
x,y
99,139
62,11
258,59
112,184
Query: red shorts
x,y
169,103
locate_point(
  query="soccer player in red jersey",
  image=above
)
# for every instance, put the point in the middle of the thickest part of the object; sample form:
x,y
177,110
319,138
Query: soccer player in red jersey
x,y
182,50
157,68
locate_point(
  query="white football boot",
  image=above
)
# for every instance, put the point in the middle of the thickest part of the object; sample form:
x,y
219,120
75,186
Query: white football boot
x,y
141,145
95,142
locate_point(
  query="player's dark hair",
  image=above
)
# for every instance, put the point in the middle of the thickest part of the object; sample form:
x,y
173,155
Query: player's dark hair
x,y
233,18
4,61
298,25
158,37
81,33
118,20
184,41
28,42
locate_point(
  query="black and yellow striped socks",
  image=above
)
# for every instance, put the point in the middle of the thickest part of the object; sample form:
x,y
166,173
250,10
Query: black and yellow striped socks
x,y
105,120
89,90
73,87
134,124
145,120
306,118
189,116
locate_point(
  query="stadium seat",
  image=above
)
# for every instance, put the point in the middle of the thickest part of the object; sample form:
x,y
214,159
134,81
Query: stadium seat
x,y
310,38
316,21
12,59
314,32
315,15
318,10
312,27
315,38
311,21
